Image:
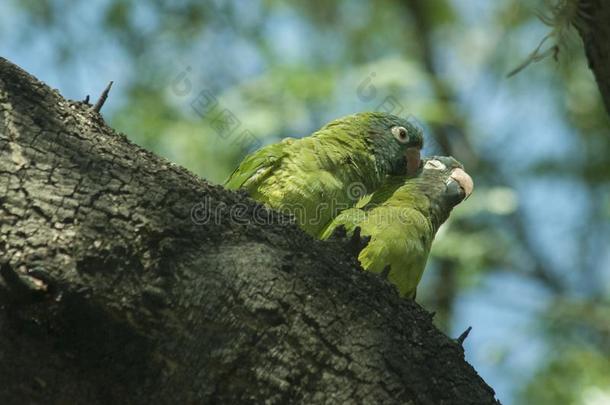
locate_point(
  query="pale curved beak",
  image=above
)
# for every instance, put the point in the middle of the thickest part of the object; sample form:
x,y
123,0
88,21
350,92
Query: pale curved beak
x,y
464,180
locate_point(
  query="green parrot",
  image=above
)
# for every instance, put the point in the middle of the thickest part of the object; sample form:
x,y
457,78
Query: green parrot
x,y
315,177
401,218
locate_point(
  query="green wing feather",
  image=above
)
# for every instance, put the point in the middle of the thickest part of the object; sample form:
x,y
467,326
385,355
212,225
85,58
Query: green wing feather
x,y
258,165
308,177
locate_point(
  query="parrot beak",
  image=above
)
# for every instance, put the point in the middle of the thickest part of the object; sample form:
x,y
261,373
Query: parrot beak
x,y
413,158
463,180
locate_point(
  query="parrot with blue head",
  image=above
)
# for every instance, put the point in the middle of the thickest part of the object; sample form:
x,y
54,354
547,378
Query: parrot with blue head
x,y
315,177
401,218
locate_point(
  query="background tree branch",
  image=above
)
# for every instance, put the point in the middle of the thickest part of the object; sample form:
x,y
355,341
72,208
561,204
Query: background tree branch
x,y
595,33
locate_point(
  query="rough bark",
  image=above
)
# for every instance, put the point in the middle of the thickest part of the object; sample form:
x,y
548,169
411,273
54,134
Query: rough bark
x,y
594,30
126,279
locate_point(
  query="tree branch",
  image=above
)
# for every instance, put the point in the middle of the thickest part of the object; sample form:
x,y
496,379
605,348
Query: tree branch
x,y
146,284
594,30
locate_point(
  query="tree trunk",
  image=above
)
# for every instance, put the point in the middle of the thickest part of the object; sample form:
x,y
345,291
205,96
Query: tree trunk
x,y
126,279
595,32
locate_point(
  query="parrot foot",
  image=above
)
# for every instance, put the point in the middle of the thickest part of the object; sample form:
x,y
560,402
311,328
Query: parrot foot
x,y
354,243
339,233
385,272
357,242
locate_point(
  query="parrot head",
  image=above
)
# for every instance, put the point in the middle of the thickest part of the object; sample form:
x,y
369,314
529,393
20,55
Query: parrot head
x,y
395,142
446,183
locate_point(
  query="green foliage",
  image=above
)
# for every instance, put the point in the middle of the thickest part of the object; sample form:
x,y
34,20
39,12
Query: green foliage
x,y
573,376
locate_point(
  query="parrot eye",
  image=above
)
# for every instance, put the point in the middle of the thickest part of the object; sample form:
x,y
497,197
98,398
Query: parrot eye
x,y
401,134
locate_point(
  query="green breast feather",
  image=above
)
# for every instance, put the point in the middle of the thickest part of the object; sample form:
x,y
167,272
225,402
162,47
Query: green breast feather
x,y
401,218
401,233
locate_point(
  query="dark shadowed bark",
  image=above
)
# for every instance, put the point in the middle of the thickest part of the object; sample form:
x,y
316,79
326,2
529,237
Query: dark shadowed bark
x,y
595,33
126,279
